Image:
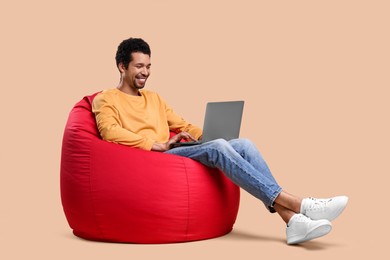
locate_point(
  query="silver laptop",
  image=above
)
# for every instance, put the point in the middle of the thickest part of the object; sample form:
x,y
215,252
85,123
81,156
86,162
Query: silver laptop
x,y
222,120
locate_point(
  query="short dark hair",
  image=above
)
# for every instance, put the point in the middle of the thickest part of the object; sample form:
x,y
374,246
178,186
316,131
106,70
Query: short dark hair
x,y
127,47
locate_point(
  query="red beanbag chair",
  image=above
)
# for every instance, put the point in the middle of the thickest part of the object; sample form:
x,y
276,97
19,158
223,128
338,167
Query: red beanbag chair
x,y
115,193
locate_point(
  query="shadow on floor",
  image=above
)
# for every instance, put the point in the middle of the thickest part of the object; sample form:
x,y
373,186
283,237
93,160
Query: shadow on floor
x,y
314,245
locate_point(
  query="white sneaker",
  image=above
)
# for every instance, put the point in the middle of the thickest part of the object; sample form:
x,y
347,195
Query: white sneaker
x,y
301,229
323,208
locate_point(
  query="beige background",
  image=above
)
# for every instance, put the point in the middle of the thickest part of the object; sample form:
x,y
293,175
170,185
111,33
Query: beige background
x,y
314,75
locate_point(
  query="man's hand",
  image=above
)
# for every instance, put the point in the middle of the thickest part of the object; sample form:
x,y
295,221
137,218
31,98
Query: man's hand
x,y
165,146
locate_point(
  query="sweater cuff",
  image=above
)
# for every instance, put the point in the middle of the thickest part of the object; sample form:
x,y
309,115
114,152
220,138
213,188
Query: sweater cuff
x,y
196,133
148,144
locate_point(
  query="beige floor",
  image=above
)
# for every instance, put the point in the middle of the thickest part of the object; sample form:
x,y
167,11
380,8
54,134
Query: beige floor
x,y
314,75
256,235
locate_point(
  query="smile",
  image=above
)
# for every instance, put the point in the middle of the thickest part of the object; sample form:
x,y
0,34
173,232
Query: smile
x,y
141,81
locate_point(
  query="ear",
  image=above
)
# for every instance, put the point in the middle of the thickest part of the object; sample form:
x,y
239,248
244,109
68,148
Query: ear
x,y
121,67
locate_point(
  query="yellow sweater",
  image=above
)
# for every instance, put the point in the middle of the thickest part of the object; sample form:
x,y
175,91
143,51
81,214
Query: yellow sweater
x,y
137,121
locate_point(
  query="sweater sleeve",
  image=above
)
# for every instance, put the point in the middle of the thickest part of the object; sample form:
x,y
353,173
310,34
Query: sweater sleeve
x,y
177,124
110,127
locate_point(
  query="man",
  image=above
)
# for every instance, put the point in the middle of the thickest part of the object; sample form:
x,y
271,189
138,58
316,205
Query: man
x,y
135,117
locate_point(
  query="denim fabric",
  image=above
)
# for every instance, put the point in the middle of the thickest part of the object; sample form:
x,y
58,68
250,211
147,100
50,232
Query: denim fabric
x,y
240,161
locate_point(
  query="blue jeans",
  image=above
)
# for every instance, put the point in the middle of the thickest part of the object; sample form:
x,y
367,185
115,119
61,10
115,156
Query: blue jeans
x,y
240,161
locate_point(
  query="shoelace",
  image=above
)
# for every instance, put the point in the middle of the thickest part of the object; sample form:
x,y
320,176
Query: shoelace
x,y
319,204
301,218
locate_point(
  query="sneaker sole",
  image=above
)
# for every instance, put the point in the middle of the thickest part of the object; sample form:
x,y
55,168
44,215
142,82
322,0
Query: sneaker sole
x,y
316,232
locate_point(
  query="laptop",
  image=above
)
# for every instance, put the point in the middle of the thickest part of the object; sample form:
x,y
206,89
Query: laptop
x,y
222,120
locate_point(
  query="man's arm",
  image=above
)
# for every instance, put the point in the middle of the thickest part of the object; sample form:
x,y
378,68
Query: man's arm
x,y
108,123
178,124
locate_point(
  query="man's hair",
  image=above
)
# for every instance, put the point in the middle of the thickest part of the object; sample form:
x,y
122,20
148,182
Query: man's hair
x,y
127,47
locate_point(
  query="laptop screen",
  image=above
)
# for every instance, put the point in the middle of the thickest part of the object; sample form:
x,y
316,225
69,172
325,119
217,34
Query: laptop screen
x,y
222,120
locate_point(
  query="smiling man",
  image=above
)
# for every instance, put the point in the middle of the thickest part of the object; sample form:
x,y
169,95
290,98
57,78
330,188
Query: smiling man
x,y
136,118
139,118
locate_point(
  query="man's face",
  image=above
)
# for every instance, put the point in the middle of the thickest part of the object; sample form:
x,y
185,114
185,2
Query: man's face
x,y
138,71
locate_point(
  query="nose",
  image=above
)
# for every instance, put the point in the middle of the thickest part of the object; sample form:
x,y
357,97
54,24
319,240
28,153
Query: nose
x,y
145,71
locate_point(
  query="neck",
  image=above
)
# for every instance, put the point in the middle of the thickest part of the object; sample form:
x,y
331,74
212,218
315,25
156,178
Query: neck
x,y
127,89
